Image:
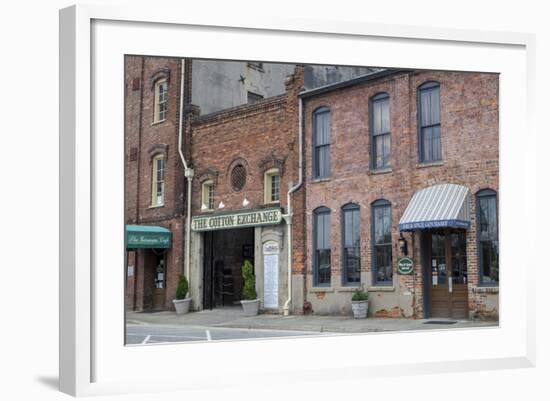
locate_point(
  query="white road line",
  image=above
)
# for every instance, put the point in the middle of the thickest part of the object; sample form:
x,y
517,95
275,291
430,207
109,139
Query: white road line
x,y
208,336
146,339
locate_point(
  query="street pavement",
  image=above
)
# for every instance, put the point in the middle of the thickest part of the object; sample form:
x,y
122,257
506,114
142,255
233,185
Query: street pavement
x,y
155,334
229,323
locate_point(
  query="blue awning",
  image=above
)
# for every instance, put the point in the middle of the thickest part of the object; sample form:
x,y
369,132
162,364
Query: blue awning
x,y
438,206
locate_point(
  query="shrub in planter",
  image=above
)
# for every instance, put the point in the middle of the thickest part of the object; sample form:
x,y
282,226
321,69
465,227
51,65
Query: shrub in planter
x,y
181,303
360,304
250,301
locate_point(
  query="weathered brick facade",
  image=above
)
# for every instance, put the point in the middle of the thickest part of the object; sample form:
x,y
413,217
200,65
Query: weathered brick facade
x,y
265,134
469,135
144,140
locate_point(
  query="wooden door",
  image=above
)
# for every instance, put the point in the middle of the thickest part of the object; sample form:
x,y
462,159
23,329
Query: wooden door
x,y
449,288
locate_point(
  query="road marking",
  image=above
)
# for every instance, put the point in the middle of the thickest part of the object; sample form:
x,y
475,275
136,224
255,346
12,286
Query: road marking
x,y
208,336
146,339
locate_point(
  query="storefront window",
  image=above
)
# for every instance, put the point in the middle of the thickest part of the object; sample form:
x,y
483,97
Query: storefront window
x,y
487,237
321,238
351,260
381,243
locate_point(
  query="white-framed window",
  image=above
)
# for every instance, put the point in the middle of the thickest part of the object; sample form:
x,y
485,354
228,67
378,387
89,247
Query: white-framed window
x,y
208,195
157,192
161,95
272,186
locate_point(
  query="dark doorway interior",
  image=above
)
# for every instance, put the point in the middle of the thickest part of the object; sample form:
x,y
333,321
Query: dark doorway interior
x,y
224,254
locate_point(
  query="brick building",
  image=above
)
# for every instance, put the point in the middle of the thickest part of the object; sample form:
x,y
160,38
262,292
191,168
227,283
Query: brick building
x,y
403,158
388,164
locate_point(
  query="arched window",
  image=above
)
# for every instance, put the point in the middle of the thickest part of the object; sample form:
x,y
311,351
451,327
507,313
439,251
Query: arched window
x,y
161,97
321,143
380,131
321,247
351,252
429,125
157,191
381,243
487,236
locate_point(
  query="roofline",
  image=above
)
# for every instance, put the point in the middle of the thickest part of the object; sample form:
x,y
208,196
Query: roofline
x,y
351,82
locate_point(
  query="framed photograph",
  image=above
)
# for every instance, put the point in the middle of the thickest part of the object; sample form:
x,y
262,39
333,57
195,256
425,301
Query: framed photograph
x,y
344,187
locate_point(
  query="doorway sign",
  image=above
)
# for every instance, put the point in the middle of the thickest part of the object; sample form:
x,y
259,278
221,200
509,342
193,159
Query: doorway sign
x,y
271,275
405,266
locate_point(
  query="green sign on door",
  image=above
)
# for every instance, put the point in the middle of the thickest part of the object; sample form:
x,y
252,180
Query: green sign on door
x,y
405,266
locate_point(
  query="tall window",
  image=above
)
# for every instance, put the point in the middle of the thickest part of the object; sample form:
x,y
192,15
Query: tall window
x,y
381,242
351,260
272,180
161,90
487,237
429,122
321,143
158,181
380,131
208,195
321,245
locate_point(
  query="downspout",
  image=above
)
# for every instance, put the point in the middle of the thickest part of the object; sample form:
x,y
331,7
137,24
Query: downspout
x,y
288,216
188,172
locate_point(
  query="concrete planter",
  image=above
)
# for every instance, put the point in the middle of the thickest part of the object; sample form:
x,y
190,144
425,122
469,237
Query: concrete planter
x,y
182,305
251,307
360,309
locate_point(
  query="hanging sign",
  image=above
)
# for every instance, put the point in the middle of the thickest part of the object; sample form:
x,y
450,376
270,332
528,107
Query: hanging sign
x,y
405,266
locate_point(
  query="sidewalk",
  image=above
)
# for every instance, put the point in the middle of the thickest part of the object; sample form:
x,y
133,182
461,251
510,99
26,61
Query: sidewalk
x,y
233,317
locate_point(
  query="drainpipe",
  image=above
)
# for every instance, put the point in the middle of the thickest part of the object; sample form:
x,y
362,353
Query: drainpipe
x,y
188,172
288,216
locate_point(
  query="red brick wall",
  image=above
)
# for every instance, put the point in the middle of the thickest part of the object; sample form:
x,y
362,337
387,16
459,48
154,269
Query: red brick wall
x,y
469,132
143,139
259,135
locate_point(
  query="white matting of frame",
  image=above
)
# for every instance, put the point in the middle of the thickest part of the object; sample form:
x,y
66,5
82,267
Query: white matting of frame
x,y
93,358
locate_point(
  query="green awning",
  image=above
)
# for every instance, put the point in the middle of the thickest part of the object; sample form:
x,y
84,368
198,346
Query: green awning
x,y
147,237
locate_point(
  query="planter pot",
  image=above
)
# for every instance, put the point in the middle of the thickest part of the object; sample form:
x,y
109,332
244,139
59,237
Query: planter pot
x,y
360,309
182,305
251,307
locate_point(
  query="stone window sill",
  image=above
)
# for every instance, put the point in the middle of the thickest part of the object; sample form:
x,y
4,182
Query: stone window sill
x,y
381,171
486,290
381,288
157,122
432,164
317,180
155,206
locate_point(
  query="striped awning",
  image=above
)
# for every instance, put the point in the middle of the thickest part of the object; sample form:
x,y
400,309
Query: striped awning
x,y
438,206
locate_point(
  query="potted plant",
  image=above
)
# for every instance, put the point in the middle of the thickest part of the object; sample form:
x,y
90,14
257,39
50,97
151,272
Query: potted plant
x,y
360,304
181,303
250,301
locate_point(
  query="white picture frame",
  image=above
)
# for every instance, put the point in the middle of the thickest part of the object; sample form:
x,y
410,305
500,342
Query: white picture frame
x,y
93,359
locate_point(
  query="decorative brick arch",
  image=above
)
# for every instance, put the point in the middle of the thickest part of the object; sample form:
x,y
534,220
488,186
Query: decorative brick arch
x,y
158,149
208,174
159,74
272,161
